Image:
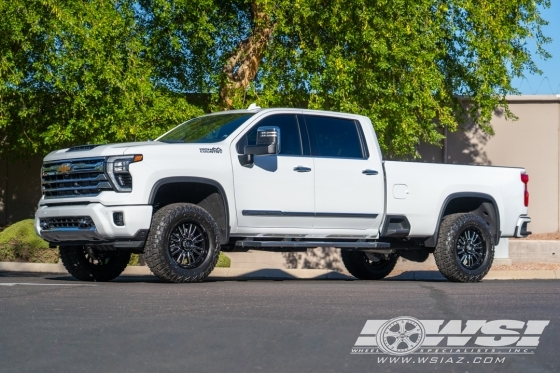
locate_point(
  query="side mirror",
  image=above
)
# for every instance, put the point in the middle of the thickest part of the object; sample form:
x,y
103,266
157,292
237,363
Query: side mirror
x,y
268,143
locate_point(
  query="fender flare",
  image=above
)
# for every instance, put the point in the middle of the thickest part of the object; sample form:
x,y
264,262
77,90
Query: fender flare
x,y
199,180
432,240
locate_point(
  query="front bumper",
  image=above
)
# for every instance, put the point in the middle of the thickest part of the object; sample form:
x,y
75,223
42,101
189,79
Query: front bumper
x,y
521,227
132,234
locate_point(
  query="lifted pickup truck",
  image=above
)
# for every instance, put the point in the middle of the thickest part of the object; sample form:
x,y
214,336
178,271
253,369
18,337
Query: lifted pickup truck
x,y
272,179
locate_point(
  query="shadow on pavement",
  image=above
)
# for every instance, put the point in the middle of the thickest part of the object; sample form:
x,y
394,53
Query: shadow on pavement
x,y
426,276
120,279
271,274
26,274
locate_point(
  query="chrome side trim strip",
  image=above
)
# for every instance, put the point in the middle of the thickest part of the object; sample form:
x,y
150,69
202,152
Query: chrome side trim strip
x,y
307,214
308,244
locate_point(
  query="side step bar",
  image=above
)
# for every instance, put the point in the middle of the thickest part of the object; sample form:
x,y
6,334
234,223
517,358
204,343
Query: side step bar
x,y
358,246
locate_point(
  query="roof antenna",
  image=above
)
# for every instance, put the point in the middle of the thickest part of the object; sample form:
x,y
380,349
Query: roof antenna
x,y
253,106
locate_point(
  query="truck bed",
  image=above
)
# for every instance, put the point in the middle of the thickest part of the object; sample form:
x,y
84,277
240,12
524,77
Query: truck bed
x,y
419,190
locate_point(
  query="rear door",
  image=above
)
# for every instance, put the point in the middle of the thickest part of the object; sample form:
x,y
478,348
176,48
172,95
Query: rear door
x,y
349,186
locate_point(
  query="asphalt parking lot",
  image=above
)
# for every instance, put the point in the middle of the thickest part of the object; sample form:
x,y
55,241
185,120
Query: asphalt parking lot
x,y
51,323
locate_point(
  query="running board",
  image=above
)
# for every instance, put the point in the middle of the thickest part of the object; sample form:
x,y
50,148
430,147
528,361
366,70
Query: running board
x,y
358,246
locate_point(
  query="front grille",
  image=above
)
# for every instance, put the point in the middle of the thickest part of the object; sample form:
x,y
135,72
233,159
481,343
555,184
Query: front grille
x,y
72,222
74,178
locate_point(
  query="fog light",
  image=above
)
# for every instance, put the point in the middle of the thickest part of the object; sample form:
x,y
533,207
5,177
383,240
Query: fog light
x,y
118,218
45,225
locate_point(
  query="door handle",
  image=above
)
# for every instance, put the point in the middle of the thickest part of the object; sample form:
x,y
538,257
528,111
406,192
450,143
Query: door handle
x,y
302,169
370,172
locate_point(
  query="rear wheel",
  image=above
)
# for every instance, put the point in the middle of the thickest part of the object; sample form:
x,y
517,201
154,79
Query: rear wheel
x,y
87,264
368,266
465,248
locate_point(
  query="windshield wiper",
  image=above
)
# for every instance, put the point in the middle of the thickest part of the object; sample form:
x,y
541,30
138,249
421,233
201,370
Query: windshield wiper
x,y
173,141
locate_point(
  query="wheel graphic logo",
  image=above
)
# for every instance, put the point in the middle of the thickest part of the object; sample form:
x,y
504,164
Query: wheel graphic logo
x,y
401,336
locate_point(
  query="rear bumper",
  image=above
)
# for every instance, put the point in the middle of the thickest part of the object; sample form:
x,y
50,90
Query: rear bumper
x,y
132,234
521,227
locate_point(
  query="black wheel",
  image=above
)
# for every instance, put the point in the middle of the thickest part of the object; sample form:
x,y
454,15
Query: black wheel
x,y
87,264
465,248
368,266
183,243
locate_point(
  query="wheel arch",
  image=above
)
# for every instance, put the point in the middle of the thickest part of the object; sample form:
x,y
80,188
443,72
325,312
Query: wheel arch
x,y
206,193
481,204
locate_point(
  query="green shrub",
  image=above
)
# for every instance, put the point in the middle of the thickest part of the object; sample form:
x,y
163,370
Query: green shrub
x,y
223,261
20,243
134,258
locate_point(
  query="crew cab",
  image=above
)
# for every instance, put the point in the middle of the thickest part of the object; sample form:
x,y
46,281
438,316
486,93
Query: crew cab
x,y
272,179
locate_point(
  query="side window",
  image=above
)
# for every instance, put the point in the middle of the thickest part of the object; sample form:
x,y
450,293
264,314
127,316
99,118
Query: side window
x,y
290,139
334,137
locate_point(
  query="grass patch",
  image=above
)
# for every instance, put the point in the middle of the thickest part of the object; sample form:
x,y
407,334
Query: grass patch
x,y
223,261
20,243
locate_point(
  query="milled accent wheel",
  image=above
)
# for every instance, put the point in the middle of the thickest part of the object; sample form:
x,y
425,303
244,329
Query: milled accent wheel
x,y
87,264
188,244
183,243
368,266
471,248
465,248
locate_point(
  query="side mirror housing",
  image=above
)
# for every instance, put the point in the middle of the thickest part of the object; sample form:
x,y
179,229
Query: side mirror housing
x,y
268,142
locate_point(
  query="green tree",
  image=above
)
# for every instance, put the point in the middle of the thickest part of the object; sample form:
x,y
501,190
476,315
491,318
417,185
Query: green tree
x,y
412,66
74,72
112,70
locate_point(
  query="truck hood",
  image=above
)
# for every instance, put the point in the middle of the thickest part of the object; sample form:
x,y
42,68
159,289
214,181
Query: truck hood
x,y
90,151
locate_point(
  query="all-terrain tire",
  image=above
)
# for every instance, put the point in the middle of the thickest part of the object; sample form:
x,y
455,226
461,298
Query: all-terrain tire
x,y
364,268
158,249
450,249
105,266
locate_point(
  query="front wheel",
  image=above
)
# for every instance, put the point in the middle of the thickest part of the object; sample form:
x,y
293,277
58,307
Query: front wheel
x,y
183,244
87,264
465,248
368,266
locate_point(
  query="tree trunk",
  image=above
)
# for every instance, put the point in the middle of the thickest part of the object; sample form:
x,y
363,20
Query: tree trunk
x,y
242,66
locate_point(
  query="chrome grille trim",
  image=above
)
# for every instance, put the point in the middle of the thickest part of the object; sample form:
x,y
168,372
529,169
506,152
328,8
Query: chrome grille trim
x,y
74,178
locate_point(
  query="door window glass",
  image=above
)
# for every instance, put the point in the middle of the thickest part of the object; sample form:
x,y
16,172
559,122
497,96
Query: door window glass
x,y
290,139
333,137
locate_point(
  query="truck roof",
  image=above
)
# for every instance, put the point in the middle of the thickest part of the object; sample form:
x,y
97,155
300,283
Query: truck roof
x,y
276,109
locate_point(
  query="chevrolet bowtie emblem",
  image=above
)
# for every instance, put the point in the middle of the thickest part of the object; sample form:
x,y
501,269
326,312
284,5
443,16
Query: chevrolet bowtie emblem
x,y
64,168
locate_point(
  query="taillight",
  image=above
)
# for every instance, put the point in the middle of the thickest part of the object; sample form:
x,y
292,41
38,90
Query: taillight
x,y
525,180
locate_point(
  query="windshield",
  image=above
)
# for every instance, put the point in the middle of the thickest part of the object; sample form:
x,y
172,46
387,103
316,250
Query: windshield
x,y
206,129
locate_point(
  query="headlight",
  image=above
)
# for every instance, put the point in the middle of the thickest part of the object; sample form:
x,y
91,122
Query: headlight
x,y
117,169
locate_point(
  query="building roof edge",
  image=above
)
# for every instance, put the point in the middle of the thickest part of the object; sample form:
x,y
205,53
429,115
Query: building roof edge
x,y
533,98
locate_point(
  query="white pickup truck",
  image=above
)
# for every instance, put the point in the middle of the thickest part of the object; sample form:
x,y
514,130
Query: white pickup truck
x,y
272,179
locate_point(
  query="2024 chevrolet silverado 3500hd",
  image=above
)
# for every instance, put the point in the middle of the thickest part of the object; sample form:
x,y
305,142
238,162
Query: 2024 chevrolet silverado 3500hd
x,y
272,179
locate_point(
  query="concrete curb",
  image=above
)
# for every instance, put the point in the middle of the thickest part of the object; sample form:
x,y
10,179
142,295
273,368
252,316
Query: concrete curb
x,y
290,274
32,267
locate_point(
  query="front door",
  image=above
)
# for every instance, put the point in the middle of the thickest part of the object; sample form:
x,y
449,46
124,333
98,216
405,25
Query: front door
x,y
277,191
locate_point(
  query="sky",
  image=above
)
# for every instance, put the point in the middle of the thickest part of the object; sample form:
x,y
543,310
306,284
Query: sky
x,y
549,82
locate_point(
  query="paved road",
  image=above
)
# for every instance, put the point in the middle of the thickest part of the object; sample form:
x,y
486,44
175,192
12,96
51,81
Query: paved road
x,y
137,324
